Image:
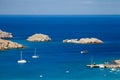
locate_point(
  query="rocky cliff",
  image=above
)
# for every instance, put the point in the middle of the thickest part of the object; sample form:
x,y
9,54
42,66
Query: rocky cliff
x,y
4,34
7,44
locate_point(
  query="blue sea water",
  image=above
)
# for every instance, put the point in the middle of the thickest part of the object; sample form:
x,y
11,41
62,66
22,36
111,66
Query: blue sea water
x,y
60,61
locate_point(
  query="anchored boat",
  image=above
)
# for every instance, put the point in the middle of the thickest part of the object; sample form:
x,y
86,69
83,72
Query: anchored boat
x,y
21,61
35,56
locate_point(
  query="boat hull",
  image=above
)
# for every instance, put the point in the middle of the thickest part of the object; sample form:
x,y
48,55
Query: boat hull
x,y
22,61
35,56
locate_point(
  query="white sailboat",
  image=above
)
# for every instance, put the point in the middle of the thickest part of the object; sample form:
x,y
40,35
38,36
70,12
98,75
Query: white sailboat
x,y
35,56
21,61
84,52
91,65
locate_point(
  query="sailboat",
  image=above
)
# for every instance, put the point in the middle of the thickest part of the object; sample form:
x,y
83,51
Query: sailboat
x,y
91,65
21,61
35,56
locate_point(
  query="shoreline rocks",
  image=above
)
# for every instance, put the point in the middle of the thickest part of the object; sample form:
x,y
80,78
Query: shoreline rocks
x,y
84,41
39,38
117,61
4,34
7,44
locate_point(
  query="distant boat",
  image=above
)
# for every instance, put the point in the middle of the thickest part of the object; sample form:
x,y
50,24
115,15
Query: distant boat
x,y
21,61
92,64
102,66
84,52
35,56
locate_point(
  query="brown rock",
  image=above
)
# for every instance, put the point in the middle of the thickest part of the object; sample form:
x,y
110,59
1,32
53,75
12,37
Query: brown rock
x,y
6,44
4,34
84,41
39,38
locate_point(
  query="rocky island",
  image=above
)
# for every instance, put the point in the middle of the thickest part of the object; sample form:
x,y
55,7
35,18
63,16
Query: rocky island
x,y
84,41
39,38
7,44
4,34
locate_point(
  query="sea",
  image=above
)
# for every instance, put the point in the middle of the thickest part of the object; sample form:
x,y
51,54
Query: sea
x,y
58,60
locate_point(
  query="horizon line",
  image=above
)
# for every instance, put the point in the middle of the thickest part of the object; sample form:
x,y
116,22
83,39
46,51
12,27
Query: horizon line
x,y
59,14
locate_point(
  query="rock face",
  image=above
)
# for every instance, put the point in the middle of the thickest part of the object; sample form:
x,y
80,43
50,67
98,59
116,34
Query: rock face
x,y
117,61
39,38
6,44
4,34
84,41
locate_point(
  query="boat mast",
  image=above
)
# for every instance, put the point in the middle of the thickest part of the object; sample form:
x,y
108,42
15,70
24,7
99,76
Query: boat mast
x,y
35,52
91,60
21,55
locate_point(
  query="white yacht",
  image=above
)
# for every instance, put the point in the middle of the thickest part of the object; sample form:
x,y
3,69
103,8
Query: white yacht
x,y
35,56
84,52
21,61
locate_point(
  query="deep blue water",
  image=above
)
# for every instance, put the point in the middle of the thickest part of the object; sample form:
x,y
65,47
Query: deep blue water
x,y
55,57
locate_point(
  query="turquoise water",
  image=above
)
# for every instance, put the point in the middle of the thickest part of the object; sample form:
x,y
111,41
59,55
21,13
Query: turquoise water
x,y
60,61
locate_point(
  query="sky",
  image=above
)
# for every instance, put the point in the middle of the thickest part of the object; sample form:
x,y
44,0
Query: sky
x,y
59,7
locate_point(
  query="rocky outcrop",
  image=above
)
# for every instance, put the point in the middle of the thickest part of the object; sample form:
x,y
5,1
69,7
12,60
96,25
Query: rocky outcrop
x,y
4,34
6,44
84,41
117,61
39,38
